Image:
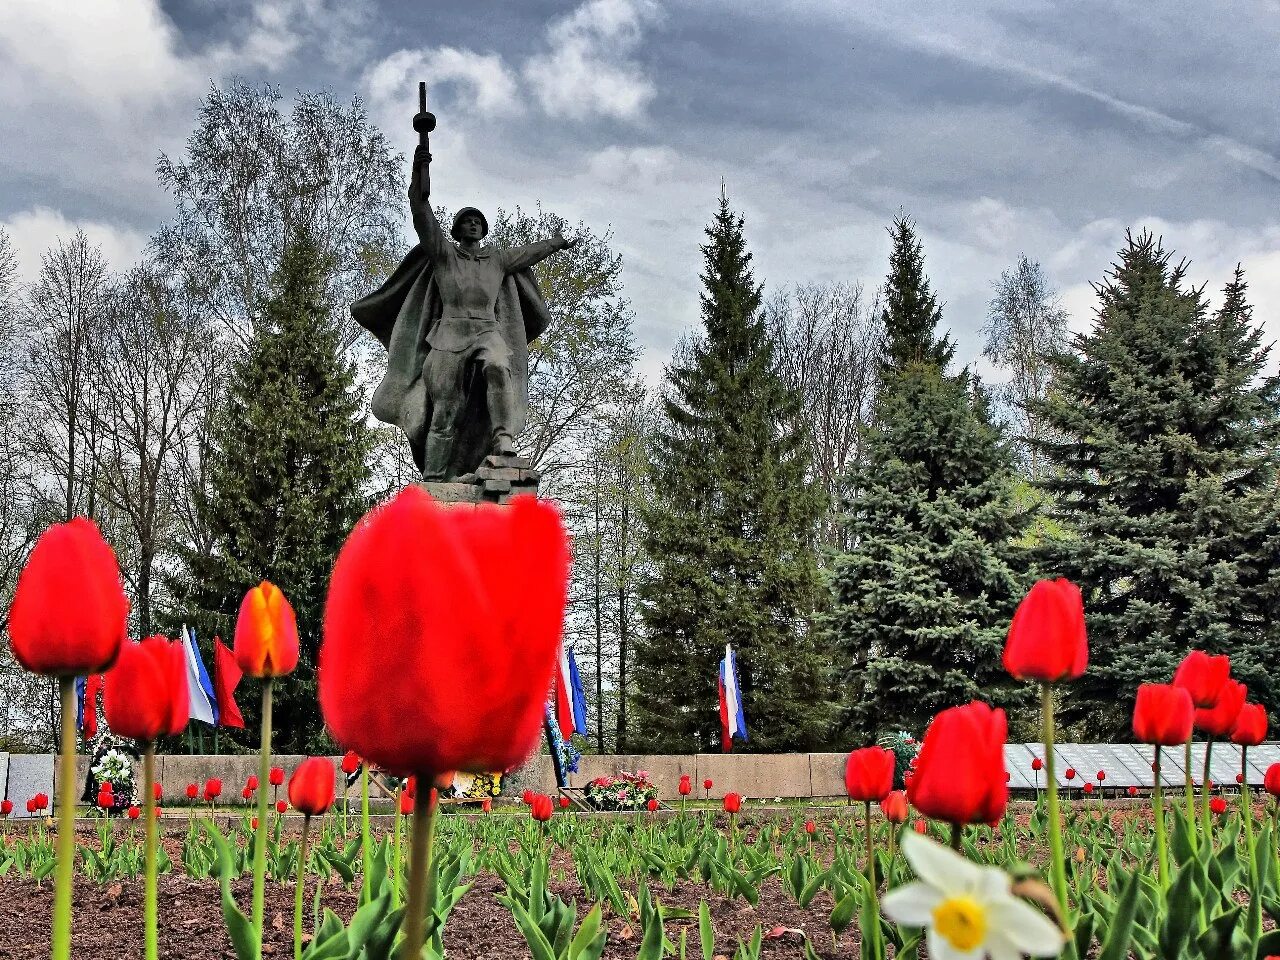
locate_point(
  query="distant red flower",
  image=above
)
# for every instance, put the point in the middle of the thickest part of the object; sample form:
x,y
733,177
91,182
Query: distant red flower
x,y
1250,728
540,809
42,801
1133,791
350,762
193,791
732,802
527,797
894,806
252,782
810,827
652,805
212,788
1102,775
246,793
1202,676
1046,639
1088,788
439,638
282,806
1163,714
921,826
6,807
106,798
1218,805
707,784
564,803
486,804
1239,778
960,777
145,693
1271,780
406,802
158,791
134,812
1071,773
276,777
686,785
254,823
69,611
311,787
1220,719
266,640
1037,764
31,805
868,774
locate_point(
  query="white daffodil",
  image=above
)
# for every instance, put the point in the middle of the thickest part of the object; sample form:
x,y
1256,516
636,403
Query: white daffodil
x,y
968,911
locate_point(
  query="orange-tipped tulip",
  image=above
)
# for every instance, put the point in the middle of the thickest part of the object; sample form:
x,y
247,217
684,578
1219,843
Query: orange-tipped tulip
x,y
145,693
266,643
69,610
1046,639
1163,714
311,788
1251,725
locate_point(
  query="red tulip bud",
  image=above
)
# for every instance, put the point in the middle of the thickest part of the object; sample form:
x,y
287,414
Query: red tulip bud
x,y
311,788
1218,805
276,777
732,802
1047,636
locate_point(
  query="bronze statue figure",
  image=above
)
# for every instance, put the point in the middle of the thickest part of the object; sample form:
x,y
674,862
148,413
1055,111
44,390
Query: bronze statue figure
x,y
456,319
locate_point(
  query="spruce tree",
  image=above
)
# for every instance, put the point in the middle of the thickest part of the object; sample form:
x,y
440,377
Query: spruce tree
x,y
730,532
287,470
1164,477
923,597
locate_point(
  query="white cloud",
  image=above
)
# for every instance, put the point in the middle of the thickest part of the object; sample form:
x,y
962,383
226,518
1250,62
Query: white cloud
x,y
485,78
588,71
629,166
34,231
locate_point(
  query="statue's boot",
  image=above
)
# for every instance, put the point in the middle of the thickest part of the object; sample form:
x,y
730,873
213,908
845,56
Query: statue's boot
x,y
502,414
435,460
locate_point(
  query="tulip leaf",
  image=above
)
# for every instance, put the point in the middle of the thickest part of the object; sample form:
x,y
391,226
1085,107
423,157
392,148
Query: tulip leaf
x,y
1216,943
1180,913
706,931
1120,931
244,938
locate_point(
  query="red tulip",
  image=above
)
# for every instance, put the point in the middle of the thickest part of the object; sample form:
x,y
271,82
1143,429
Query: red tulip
x,y
1047,637
6,807
424,611
921,826
1037,764
1202,676
732,802
686,786
564,803
145,693
1271,780
1102,775
311,787
1251,725
282,806
212,788
193,791
1071,773
276,777
868,774
707,784
254,823
894,806
1220,719
350,762
960,777
1218,805
134,812
486,804
652,805
246,793
527,797
69,611
540,809
1133,791
1088,788
1239,778
1163,714
810,827
266,642
406,802
31,805
252,782
106,798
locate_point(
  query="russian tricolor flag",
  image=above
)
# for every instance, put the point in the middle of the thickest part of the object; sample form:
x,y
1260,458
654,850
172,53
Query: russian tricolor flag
x,y
571,702
732,722
203,705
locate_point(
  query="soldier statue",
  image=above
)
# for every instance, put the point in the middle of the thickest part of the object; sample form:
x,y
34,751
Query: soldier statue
x,y
456,319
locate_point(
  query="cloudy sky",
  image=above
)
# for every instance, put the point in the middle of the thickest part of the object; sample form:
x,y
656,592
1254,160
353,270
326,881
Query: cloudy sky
x,y
1001,126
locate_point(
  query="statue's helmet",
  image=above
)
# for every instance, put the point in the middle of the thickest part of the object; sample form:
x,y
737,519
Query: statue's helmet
x,y
466,211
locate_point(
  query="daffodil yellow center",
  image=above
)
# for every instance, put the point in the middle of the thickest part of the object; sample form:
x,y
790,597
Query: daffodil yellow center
x,y
961,921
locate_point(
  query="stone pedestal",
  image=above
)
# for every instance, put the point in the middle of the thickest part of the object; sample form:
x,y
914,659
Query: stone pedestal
x,y
496,481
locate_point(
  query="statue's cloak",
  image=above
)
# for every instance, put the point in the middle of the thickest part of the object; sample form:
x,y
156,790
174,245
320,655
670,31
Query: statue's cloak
x,y
401,314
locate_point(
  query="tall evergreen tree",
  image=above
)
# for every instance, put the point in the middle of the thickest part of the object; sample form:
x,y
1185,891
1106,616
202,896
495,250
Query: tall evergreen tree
x,y
1165,456
923,597
730,532
288,466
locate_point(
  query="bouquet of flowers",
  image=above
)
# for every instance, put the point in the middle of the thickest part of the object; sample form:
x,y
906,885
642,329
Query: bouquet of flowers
x,y
569,754
626,791
904,747
115,766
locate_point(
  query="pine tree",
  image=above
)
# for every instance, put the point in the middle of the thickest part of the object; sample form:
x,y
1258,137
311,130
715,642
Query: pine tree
x,y
922,600
287,469
1165,477
730,532
911,312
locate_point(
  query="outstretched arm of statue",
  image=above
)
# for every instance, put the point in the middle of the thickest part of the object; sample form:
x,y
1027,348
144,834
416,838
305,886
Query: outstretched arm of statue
x,y
425,223
520,258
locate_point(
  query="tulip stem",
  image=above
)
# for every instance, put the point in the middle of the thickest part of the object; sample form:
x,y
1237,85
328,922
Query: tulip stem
x,y
957,835
1057,862
260,835
301,884
150,920
1246,801
66,849
365,851
1157,799
395,852
421,893
1191,801
1206,823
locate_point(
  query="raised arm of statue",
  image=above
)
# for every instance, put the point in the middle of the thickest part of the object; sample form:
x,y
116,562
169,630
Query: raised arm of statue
x,y
425,223
520,258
